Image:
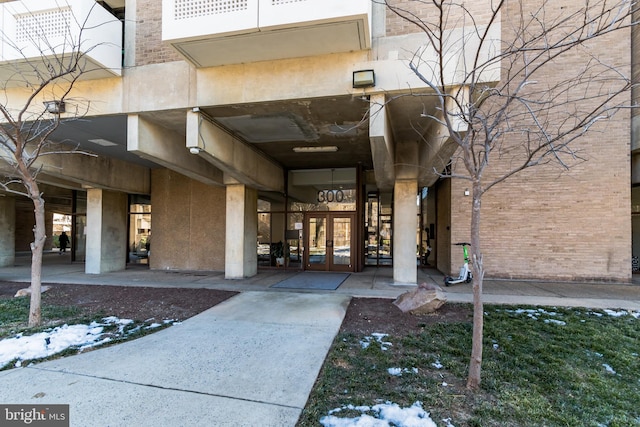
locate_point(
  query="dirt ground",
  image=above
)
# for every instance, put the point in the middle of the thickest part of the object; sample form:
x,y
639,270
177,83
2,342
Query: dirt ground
x,y
365,315
137,303
369,315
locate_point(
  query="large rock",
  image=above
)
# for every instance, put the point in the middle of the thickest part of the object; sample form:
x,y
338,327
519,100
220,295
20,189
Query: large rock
x,y
425,299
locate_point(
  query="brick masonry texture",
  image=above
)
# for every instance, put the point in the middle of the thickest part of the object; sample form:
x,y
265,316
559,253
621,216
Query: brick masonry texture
x,y
548,222
149,46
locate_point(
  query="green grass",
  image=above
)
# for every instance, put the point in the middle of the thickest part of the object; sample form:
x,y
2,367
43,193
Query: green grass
x,y
14,314
534,373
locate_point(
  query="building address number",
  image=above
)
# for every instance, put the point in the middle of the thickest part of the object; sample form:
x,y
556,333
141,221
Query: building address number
x,y
328,196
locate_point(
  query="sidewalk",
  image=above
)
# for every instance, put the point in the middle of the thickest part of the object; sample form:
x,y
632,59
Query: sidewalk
x,y
372,282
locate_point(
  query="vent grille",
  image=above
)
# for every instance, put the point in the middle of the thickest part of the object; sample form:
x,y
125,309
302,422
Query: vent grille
x,y
187,9
47,24
279,2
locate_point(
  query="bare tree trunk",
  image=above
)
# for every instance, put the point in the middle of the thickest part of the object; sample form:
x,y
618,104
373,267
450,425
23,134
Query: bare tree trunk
x,y
37,247
475,364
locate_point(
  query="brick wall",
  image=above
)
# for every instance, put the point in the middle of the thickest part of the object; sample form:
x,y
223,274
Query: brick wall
x,y
551,223
149,46
420,10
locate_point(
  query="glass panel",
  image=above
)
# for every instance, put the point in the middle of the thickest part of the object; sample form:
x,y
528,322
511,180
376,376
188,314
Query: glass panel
x,y
279,250
317,241
263,206
379,226
322,190
385,224
342,241
264,239
80,237
385,254
139,233
295,239
78,244
371,243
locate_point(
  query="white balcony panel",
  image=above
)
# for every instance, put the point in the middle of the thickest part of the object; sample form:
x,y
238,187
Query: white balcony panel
x,y
194,19
43,29
217,32
275,14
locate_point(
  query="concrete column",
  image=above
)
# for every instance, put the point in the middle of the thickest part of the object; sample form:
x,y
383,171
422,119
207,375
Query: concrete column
x,y
405,223
48,227
240,255
106,231
8,235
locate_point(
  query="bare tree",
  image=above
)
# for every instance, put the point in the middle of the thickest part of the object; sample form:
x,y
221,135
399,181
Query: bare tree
x,y
48,78
507,97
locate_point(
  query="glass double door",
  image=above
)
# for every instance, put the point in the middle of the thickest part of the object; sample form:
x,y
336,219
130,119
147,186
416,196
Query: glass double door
x,y
329,241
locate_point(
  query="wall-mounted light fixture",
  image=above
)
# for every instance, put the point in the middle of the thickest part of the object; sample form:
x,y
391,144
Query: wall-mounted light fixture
x,y
364,78
194,150
54,107
316,149
466,191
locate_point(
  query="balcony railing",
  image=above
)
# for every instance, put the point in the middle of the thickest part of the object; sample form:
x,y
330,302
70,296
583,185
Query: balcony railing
x,y
219,32
35,32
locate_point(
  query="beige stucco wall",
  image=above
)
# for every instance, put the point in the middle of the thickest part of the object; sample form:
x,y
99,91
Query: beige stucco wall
x,y
188,223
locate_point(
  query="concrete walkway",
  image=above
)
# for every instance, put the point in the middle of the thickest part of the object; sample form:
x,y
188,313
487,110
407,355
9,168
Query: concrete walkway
x,y
249,361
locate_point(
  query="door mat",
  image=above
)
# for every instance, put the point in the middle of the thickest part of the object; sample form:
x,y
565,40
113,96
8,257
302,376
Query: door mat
x,y
313,280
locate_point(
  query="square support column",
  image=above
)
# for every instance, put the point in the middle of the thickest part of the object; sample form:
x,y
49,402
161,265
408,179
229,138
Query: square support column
x,y
240,255
106,231
405,223
8,235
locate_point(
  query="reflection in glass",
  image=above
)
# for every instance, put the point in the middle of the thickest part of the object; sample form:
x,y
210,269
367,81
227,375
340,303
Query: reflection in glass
x,y
264,239
317,241
342,241
79,226
379,225
295,238
139,233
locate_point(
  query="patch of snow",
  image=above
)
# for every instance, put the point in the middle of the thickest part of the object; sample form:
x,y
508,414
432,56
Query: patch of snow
x,y
556,322
52,341
437,365
448,421
377,337
609,369
620,313
397,372
383,415
616,313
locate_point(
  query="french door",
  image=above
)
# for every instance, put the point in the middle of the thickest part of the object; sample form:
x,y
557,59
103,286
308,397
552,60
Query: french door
x,y
329,241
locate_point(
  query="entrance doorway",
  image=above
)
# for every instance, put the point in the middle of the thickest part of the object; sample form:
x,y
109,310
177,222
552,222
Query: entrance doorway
x,y
329,242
